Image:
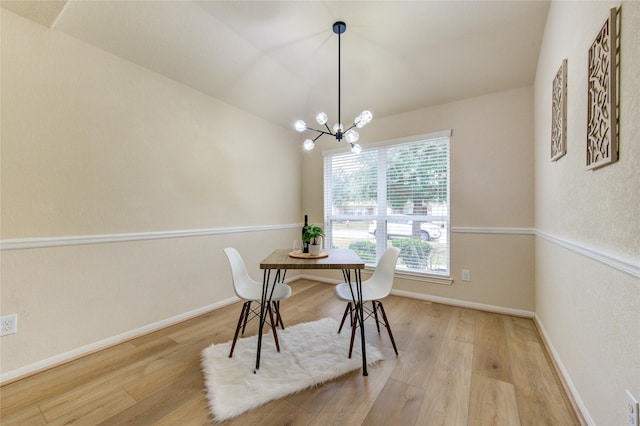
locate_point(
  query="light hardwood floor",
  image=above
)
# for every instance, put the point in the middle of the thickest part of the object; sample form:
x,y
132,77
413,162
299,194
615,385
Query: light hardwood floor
x,y
456,366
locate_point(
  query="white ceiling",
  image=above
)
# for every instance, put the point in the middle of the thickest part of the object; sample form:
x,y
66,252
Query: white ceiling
x,y
279,60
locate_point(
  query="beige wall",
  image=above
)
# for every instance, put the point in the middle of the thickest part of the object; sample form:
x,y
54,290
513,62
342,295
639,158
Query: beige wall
x,y
97,145
491,193
587,256
93,145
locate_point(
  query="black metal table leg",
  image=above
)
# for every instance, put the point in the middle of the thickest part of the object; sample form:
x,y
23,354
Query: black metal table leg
x,y
265,302
265,288
361,313
359,308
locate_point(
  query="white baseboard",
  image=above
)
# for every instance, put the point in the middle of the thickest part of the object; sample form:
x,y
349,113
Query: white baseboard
x,y
564,373
120,338
465,304
114,340
108,342
438,299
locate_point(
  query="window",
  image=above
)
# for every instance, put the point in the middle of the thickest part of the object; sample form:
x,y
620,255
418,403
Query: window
x,y
393,194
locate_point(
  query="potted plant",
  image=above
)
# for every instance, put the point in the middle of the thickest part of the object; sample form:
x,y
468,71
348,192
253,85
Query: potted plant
x,y
313,235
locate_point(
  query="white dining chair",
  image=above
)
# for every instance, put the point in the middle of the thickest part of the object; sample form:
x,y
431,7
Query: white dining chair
x,y
251,291
375,288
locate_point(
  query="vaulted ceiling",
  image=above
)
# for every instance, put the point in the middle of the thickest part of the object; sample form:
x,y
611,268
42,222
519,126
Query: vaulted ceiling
x,y
279,59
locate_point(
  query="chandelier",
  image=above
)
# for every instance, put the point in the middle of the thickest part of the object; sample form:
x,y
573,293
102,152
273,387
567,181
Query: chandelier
x,y
350,135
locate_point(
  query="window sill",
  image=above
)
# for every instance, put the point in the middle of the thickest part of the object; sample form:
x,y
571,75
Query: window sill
x,y
414,276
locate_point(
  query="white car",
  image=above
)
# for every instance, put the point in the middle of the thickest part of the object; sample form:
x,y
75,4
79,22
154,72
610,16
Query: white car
x,y
428,231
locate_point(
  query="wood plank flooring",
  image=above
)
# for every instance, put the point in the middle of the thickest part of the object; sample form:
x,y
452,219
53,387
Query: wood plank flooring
x,y
456,366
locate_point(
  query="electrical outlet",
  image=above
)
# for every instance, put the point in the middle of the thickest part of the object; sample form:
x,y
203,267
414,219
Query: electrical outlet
x,y
9,324
631,413
466,275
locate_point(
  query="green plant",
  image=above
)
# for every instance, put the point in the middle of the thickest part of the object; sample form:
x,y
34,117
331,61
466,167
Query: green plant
x,y
312,233
414,253
366,250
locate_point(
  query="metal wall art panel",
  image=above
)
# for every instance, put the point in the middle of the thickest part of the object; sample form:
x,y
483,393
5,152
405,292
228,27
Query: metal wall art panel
x,y
559,113
602,143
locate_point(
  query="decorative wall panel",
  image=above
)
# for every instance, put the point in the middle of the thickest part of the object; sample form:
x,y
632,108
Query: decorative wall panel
x,y
559,113
602,143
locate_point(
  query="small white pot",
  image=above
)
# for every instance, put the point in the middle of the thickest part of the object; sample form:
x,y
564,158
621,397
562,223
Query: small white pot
x,y
314,249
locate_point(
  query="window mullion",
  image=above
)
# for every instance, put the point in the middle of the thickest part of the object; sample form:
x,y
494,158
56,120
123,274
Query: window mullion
x,y
381,221
328,199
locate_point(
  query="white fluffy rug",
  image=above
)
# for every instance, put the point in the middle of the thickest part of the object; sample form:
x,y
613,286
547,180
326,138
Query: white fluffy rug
x,y
310,353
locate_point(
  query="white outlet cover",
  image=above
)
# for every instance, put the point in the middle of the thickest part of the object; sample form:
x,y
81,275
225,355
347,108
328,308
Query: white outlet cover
x,y
9,324
631,413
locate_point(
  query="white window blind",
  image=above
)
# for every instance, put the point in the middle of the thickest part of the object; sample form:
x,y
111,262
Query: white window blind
x,y
396,194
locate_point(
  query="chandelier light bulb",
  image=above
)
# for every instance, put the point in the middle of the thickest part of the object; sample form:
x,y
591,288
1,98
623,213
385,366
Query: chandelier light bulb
x,y
356,148
363,119
337,127
309,144
300,126
322,118
351,136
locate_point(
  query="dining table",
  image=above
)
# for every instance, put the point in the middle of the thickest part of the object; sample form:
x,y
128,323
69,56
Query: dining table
x,y
276,265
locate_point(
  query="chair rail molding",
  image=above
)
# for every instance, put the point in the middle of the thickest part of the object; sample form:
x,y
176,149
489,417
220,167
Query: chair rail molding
x,y
30,243
629,266
626,265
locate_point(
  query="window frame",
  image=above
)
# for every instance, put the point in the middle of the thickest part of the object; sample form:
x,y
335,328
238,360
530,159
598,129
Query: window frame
x,y
381,215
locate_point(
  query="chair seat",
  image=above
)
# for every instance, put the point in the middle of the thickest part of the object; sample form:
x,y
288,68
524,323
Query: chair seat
x,y
281,292
342,292
254,292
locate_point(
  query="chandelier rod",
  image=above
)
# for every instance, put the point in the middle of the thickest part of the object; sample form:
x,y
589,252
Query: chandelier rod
x,y
340,31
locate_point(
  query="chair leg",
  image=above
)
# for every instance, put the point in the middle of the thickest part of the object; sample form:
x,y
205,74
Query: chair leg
x,y
375,314
353,330
351,316
276,306
242,316
386,323
246,315
344,317
273,328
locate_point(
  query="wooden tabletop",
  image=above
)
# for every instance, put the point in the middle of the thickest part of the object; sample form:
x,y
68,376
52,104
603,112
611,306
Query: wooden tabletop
x,y
337,259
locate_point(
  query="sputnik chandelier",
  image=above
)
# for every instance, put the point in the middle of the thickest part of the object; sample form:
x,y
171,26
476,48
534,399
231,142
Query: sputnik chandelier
x,y
350,135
